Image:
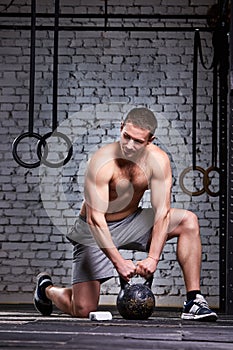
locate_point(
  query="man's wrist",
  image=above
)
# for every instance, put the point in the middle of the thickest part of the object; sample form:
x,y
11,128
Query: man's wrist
x,y
151,257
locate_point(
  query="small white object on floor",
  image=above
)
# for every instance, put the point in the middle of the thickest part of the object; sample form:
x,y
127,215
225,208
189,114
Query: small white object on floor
x,y
100,316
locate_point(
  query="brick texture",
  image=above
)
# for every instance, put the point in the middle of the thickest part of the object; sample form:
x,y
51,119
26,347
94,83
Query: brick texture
x,y
102,74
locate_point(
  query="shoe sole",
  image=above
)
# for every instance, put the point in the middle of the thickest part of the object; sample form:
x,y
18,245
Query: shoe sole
x,y
211,317
42,274
43,309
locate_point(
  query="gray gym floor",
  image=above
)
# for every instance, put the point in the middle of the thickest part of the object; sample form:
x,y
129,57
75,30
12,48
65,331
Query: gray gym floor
x,y
21,327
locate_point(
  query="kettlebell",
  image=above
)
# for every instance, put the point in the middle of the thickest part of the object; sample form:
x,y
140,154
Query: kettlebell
x,y
136,301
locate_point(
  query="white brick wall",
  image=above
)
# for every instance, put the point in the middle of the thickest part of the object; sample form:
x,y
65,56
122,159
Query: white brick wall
x,y
101,76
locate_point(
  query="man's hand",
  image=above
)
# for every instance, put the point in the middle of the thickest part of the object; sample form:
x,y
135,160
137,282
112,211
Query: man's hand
x,y
145,268
126,269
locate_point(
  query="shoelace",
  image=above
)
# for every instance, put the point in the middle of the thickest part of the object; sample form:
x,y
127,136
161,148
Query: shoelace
x,y
201,302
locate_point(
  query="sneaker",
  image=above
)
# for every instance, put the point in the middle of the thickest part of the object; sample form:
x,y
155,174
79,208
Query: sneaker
x,y
41,302
198,309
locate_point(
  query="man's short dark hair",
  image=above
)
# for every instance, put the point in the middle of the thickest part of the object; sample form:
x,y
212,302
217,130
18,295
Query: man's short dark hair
x,y
143,118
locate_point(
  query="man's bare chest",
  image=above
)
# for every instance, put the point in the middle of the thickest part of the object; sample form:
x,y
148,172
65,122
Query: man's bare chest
x,y
128,175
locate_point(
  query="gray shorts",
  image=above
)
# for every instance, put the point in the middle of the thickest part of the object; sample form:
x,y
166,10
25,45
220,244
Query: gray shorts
x,y
89,262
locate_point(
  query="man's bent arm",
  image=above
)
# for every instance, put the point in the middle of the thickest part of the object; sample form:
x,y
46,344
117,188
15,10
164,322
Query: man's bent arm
x,y
102,235
160,199
97,203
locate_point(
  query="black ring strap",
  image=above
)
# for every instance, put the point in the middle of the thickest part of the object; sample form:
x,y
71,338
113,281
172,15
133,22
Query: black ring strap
x,y
30,132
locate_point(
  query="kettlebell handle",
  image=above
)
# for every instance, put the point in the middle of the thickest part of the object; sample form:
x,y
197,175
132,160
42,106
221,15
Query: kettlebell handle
x,y
147,283
123,283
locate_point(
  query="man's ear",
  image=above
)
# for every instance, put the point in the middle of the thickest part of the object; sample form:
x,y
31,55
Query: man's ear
x,y
151,139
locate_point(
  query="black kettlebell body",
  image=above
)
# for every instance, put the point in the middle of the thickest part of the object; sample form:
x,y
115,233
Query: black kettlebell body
x,y
136,301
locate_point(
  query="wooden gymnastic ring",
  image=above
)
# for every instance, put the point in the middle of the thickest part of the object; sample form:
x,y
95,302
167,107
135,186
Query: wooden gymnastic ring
x,y
181,181
15,151
43,157
207,181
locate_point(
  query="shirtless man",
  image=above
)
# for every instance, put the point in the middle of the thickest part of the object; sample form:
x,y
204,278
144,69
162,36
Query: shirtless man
x,y
117,176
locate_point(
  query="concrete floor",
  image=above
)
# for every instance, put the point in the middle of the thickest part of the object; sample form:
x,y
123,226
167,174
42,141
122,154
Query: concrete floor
x,y
21,327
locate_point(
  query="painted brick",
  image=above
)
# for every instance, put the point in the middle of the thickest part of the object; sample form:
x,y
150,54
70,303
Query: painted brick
x,y
100,77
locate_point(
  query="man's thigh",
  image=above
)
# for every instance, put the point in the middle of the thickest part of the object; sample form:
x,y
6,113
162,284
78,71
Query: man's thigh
x,y
90,264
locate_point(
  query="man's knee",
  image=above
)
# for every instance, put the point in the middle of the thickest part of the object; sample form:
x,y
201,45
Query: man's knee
x,y
82,310
85,298
191,222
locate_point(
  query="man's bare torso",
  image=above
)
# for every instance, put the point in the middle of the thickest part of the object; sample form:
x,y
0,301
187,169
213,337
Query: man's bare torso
x,y
129,180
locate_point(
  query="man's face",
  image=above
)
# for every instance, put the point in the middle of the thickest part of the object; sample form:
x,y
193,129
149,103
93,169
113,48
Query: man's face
x,y
133,140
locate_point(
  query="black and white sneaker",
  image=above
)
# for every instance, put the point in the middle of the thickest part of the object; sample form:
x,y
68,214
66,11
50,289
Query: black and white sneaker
x,y
41,302
198,309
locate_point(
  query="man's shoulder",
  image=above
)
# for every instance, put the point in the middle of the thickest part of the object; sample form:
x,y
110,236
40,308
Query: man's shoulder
x,y
107,151
159,160
103,157
156,152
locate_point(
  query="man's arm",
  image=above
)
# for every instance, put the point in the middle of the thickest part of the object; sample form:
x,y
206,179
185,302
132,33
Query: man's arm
x,y
98,176
161,182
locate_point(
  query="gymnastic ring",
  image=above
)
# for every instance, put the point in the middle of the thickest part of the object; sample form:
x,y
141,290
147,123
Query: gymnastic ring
x,y
181,180
43,157
15,151
207,181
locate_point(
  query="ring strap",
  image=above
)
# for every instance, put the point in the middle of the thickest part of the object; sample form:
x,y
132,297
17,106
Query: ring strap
x,y
55,65
215,115
194,119
32,68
